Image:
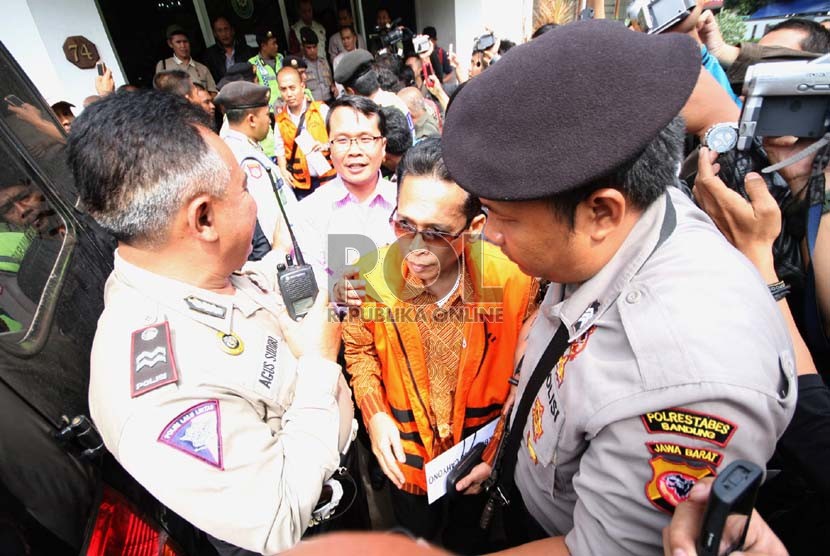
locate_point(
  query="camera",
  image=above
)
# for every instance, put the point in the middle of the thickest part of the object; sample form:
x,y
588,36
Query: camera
x,y
786,98
484,42
393,33
655,16
420,43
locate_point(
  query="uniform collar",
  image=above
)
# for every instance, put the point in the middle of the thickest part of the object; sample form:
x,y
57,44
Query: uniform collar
x,y
579,306
190,63
239,136
204,306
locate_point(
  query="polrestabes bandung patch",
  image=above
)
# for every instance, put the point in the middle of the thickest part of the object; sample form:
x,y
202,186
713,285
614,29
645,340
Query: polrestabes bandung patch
x,y
672,481
153,364
689,423
680,452
254,170
197,432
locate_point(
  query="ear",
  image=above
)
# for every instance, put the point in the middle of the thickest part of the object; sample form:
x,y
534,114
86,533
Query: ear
x,y
349,90
170,43
383,146
477,224
250,119
201,218
601,214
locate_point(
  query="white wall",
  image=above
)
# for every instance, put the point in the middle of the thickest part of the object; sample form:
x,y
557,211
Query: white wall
x,y
439,14
34,32
508,20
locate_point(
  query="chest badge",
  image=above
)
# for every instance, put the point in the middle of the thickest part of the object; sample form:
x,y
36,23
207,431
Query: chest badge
x,y
537,411
230,343
205,307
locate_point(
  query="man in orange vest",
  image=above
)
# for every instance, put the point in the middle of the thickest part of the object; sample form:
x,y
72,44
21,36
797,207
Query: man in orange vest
x,y
431,348
300,137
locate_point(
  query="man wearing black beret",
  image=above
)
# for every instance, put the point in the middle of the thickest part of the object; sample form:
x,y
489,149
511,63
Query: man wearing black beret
x,y
658,356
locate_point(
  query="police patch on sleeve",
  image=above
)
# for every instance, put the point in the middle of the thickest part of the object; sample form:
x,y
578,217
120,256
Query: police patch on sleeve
x,y
672,481
153,365
689,423
197,432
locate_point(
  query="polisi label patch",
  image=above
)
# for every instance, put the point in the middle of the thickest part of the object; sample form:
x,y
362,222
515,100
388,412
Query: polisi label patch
x,y
153,365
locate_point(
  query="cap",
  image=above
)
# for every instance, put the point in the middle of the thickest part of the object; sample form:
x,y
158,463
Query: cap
x,y
62,107
241,95
593,94
308,36
295,62
242,71
176,29
352,65
263,35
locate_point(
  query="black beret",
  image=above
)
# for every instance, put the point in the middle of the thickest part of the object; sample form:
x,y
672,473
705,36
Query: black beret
x,y
263,35
308,36
352,65
294,62
241,95
566,108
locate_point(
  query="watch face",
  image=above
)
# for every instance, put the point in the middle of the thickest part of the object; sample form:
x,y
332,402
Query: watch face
x,y
722,138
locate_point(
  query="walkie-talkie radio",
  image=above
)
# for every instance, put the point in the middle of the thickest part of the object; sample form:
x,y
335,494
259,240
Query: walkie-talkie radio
x,y
297,283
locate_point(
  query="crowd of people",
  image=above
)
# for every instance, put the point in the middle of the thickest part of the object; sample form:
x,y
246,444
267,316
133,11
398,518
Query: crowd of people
x,y
548,251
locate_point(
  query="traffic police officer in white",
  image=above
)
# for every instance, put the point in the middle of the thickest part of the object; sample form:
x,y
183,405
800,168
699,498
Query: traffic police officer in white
x,y
225,409
673,359
246,107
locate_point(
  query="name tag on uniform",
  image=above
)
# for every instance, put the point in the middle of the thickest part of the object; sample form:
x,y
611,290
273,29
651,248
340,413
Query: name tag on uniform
x,y
438,469
153,365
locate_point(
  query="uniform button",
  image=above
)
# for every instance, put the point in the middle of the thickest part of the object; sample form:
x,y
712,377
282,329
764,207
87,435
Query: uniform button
x,y
633,296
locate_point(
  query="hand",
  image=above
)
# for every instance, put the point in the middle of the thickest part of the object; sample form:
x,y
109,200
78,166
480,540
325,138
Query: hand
x,y
316,334
709,31
680,535
434,85
387,447
350,289
493,51
511,398
26,112
471,484
105,84
751,226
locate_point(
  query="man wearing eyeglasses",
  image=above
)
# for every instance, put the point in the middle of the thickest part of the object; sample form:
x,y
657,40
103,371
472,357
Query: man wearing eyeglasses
x,y
351,211
431,348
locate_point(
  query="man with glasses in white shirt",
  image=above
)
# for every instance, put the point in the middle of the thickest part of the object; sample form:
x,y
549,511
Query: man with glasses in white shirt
x,y
349,214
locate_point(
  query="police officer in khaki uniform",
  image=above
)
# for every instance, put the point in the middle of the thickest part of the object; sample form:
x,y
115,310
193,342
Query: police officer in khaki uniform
x,y
225,409
669,358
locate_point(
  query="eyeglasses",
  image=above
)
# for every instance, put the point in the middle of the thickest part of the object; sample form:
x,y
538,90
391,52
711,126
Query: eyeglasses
x,y
402,228
365,142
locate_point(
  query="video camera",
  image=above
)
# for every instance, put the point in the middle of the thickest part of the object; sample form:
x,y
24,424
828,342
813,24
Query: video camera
x,y
655,16
393,33
786,98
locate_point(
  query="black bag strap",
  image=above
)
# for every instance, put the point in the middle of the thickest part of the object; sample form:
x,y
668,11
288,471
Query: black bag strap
x,y
556,348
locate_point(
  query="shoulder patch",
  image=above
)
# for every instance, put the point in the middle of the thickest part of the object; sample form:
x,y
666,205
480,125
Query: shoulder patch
x,y
684,422
152,361
678,451
672,481
254,170
197,432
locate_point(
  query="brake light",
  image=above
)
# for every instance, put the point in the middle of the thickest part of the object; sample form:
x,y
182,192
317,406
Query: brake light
x,y
121,530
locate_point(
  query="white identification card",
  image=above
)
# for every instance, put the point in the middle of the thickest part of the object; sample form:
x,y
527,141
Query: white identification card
x,y
317,162
438,469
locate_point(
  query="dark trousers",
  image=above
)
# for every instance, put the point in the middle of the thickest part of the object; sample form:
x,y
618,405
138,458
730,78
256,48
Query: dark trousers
x,y
452,522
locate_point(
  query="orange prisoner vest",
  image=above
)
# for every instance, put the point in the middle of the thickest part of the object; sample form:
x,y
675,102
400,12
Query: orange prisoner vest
x,y
316,126
501,298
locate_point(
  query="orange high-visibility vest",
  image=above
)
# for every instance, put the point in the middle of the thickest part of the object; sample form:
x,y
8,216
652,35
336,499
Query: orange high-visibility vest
x,y
501,298
316,126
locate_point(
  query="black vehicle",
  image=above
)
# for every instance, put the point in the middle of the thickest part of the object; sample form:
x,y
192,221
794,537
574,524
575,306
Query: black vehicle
x,y
61,492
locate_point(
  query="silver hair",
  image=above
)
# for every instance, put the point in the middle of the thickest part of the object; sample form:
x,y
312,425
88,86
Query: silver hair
x,y
145,211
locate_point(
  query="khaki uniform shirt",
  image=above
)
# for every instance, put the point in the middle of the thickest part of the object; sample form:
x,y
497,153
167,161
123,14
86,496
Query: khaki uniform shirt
x,y
197,71
237,441
679,363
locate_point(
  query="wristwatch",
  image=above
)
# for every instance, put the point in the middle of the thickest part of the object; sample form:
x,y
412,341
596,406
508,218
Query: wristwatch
x,y
722,137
